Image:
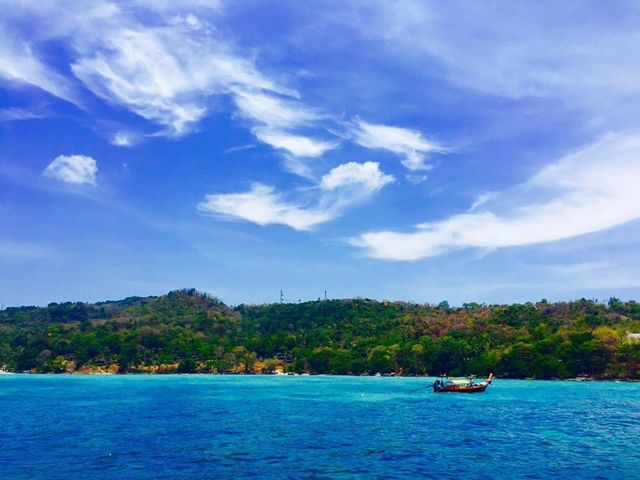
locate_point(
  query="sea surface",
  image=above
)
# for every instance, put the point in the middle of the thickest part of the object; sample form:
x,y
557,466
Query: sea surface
x,y
206,427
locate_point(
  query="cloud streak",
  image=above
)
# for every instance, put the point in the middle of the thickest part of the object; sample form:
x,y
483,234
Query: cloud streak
x,y
278,120
590,190
342,187
169,65
17,114
409,144
264,206
296,145
19,63
172,89
274,111
162,65
528,52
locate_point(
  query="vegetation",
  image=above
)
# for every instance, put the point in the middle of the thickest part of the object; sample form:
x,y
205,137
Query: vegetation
x,y
186,331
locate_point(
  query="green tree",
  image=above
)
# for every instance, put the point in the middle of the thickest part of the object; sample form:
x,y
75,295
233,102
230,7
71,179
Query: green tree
x,y
380,360
188,365
320,360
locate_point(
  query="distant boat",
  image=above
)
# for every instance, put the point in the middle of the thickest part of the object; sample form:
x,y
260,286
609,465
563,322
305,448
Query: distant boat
x,y
461,385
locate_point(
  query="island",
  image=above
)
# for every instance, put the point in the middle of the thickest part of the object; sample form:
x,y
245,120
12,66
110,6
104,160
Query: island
x,y
187,331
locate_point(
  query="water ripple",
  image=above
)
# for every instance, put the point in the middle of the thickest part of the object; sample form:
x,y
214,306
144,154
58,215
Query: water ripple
x,y
192,427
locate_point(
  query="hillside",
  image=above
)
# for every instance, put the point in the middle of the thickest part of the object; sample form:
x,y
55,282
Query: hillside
x,y
188,331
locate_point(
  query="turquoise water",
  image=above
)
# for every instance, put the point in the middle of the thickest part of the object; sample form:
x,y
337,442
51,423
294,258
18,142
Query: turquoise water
x,y
188,427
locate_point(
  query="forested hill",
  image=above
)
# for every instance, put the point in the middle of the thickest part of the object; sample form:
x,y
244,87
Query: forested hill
x,y
188,331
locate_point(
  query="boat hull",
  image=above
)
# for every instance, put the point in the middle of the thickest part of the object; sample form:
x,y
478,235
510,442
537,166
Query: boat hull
x,y
461,389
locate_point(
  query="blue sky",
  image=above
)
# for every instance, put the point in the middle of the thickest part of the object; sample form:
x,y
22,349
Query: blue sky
x,y
468,151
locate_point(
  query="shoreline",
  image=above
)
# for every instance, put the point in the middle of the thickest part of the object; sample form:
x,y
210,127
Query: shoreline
x,y
148,374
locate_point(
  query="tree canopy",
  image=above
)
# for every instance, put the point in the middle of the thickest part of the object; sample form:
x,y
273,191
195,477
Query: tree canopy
x,y
187,331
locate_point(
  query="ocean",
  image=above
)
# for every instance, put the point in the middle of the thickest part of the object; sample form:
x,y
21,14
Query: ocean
x,y
214,426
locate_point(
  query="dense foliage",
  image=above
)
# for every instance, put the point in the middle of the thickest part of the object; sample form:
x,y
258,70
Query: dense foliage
x,y
187,331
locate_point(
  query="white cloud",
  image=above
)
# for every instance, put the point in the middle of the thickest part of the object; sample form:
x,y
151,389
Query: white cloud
x,y
341,188
262,205
588,191
482,199
366,177
273,111
190,65
297,145
123,139
13,114
74,169
163,90
277,119
19,63
409,144
163,63
170,70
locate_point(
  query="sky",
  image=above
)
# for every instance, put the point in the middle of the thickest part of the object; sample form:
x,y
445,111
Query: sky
x,y
413,150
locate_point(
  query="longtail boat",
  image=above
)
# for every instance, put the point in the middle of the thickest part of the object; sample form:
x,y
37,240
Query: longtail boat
x,y
466,385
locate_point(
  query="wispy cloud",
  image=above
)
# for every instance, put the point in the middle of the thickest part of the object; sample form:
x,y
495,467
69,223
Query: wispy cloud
x,y
163,64
341,188
590,190
188,66
74,169
482,199
529,52
240,148
297,145
169,64
13,114
264,206
409,144
278,121
571,269
274,111
19,63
